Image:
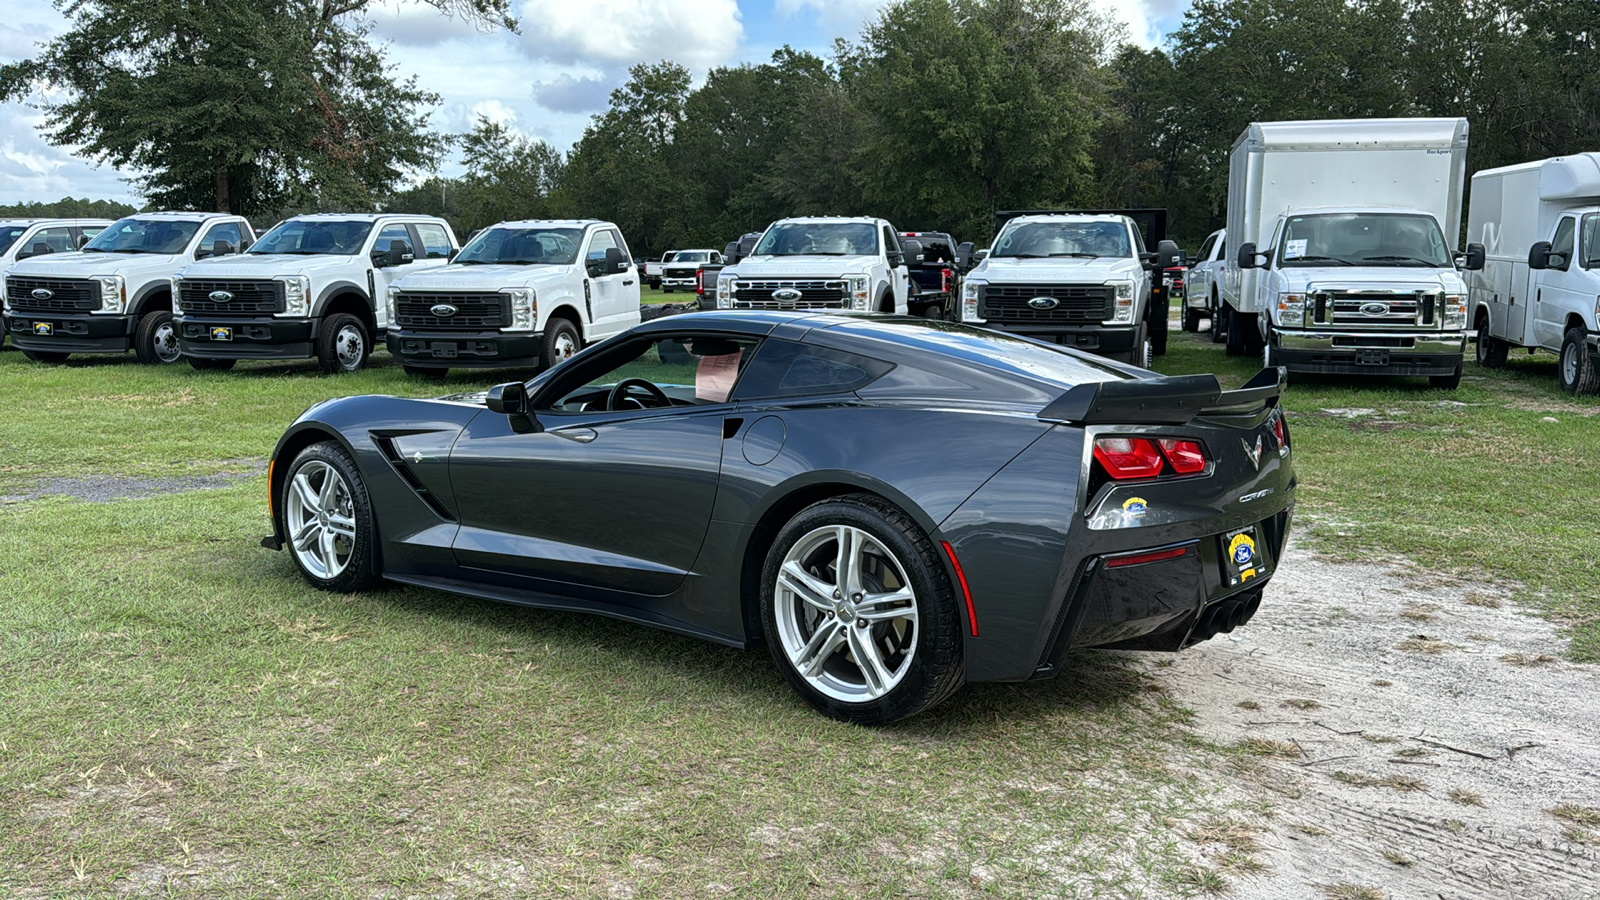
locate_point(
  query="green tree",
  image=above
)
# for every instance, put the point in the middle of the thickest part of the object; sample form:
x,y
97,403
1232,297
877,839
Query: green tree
x,y
241,105
68,208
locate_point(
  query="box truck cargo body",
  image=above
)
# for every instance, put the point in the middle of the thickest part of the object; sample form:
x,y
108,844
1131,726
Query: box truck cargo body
x,y
1345,233
1539,288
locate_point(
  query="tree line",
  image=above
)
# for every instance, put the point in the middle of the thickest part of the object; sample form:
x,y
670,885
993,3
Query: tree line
x,y
941,112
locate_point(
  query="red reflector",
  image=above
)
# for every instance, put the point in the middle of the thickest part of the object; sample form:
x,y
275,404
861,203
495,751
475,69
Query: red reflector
x,y
1187,457
1125,458
1117,562
972,614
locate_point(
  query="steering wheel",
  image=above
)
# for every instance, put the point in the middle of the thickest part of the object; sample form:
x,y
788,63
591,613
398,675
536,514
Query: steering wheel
x,y
620,389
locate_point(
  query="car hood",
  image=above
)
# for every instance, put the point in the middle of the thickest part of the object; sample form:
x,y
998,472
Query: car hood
x,y
486,278
1371,278
468,398
267,265
804,266
1057,269
84,265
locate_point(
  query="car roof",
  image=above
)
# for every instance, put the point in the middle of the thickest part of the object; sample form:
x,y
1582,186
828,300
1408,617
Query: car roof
x,y
359,217
826,220
182,215
1071,217
563,223
55,221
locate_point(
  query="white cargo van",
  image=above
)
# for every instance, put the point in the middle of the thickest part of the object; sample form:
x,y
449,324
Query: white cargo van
x,y
1345,233
1540,288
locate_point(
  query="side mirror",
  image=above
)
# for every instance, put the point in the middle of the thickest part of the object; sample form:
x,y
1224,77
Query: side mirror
x,y
245,245
964,255
913,250
730,253
400,253
509,399
980,256
1249,258
1148,260
454,252
221,248
1168,255
82,240
616,261
1539,255
40,248
1476,256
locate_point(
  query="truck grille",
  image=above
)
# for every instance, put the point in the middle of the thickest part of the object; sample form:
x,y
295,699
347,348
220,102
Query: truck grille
x,y
680,273
256,297
1373,309
813,295
76,295
413,311
1077,304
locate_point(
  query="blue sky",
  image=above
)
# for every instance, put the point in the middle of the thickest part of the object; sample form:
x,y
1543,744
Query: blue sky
x,y
545,82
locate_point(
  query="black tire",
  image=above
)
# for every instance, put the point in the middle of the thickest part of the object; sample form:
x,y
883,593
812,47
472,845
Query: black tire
x,y
561,340
1191,320
1489,350
1219,323
424,372
1242,338
155,340
343,344
933,311
933,670
45,356
360,571
211,365
1158,320
1576,369
1446,382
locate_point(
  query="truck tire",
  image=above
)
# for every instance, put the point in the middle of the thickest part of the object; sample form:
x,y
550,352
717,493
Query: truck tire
x,y
1191,320
561,340
155,340
1239,327
1159,325
1577,370
211,365
343,344
45,356
1446,382
1490,350
933,311
1219,326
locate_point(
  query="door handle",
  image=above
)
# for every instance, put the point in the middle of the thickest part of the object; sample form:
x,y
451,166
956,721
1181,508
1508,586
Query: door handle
x,y
629,281
581,435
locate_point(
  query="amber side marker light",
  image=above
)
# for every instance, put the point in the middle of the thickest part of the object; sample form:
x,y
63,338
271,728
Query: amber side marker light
x,y
972,614
272,511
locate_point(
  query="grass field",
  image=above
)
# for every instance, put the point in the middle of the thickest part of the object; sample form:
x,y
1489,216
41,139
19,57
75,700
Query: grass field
x,y
180,715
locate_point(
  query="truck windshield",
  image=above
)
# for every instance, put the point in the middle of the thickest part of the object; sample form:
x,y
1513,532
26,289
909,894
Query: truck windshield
x,y
1591,241
1363,239
314,238
522,246
1039,240
819,239
691,256
9,235
136,235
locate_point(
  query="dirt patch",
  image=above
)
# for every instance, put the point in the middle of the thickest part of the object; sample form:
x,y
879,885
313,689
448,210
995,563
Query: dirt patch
x,y
1420,772
105,488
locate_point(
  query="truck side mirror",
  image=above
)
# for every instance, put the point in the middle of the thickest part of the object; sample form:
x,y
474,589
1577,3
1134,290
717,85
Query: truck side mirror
x,y
1476,255
82,240
912,250
1539,255
1168,255
221,247
399,254
1148,260
980,255
1249,258
730,253
964,255
39,248
616,261
454,252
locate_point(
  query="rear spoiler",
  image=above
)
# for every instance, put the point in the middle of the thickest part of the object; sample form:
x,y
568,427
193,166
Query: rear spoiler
x,y
1171,400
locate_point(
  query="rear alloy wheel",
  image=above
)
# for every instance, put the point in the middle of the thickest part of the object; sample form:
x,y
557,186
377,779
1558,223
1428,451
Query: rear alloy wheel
x,y
1577,371
859,613
1446,382
342,344
155,340
1489,350
212,365
45,356
327,519
561,340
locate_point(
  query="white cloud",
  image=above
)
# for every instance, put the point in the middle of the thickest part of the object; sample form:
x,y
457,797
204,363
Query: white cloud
x,y
696,33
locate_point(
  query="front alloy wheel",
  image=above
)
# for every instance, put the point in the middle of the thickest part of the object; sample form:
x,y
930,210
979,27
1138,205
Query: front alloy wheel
x,y
327,519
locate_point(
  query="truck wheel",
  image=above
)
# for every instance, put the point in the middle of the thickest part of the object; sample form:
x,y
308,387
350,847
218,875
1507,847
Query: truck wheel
x,y
1490,350
155,340
1236,330
1577,372
561,340
1446,382
45,356
424,372
1219,325
1191,320
342,344
934,311
211,365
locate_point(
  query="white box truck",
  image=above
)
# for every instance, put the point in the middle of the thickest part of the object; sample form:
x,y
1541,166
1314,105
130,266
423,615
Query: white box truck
x,y
1540,287
1345,260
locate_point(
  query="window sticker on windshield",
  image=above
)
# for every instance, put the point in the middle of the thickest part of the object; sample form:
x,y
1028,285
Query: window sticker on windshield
x,y
1294,249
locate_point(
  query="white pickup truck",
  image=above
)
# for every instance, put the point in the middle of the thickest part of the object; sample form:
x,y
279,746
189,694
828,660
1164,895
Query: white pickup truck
x,y
829,262
519,294
1540,284
116,293
1203,299
682,273
313,286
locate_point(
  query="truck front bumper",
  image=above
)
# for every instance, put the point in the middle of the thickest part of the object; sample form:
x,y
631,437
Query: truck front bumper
x,y
70,332
680,284
237,337
1368,353
466,350
1091,338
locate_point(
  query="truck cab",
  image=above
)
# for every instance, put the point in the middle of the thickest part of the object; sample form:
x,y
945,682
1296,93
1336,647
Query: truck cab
x,y
115,294
309,288
525,293
834,263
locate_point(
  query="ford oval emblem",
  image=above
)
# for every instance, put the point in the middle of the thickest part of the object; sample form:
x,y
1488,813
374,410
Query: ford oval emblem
x,y
220,296
787,295
43,293
443,310
1374,309
1044,303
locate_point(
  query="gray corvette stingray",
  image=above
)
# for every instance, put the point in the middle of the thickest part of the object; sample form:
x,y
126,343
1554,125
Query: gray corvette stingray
x,y
894,506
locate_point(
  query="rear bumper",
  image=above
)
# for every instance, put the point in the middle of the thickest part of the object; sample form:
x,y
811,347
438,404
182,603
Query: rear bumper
x,y
202,337
1368,353
458,350
1093,338
70,332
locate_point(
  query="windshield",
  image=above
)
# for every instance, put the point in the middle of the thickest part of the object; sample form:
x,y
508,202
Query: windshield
x,y
9,235
1364,239
522,246
1086,240
136,235
819,239
309,238
689,256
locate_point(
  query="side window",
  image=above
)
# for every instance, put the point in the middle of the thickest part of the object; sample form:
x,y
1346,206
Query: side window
x,y
227,231
1138,240
394,232
890,243
603,240
791,369
90,232
1591,241
58,239
616,238
1562,245
1222,248
1205,248
685,370
435,240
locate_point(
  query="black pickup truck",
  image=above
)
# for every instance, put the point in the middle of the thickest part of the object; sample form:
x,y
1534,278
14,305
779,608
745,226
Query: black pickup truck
x,y
937,274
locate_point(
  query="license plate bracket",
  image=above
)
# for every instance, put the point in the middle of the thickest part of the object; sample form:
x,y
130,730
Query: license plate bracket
x,y
1243,556
43,329
445,349
221,333
1372,357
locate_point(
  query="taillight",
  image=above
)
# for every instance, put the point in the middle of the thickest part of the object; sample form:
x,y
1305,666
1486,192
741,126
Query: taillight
x,y
1126,458
944,281
1187,457
1280,431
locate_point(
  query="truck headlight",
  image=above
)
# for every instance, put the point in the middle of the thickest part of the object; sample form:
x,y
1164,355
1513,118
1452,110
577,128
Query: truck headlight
x,y
857,285
524,308
1597,312
1455,311
391,297
1124,309
296,295
177,292
113,293
1291,310
724,293
969,300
